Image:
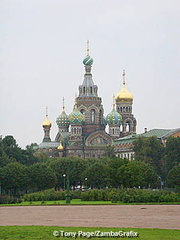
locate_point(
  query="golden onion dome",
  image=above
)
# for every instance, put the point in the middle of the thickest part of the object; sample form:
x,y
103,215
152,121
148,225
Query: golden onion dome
x,y
124,95
47,123
60,147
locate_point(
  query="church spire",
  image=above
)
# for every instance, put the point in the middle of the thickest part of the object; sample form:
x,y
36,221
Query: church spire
x,y
47,126
88,88
63,104
87,47
124,75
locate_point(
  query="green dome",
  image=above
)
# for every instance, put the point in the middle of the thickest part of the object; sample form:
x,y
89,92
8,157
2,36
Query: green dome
x,y
63,119
88,61
113,117
76,117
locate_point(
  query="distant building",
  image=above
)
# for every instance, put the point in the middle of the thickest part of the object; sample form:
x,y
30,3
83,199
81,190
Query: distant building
x,y
124,146
82,133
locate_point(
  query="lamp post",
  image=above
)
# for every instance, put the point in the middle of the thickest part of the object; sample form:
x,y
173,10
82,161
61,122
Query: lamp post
x,y
67,187
86,182
64,176
68,195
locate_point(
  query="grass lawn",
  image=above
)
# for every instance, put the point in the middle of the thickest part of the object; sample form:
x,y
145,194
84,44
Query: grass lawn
x,y
42,232
79,202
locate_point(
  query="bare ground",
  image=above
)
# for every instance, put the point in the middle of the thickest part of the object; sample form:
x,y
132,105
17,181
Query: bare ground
x,y
132,216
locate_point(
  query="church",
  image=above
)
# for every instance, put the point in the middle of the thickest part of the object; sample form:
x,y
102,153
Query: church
x,y
82,133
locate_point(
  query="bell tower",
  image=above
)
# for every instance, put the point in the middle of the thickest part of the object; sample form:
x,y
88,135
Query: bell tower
x,y
88,101
124,102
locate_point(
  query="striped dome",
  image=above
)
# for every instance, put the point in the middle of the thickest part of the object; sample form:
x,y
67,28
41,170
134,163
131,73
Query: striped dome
x,y
113,117
76,117
63,119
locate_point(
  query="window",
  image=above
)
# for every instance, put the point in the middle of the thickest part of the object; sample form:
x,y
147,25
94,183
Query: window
x,y
82,111
100,117
93,116
90,90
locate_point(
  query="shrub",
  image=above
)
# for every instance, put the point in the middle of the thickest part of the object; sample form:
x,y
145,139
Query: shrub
x,y
7,199
46,195
140,196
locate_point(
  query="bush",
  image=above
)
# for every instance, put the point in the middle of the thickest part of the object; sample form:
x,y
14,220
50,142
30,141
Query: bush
x,y
130,196
46,195
96,195
7,199
144,196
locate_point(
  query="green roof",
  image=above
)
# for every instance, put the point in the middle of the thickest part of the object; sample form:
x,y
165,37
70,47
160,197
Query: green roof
x,y
159,133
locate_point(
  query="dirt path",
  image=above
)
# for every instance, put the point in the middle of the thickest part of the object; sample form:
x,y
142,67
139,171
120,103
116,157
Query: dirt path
x,y
133,216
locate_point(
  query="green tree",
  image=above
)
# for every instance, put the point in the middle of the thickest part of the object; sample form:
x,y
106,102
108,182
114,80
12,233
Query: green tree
x,y
9,152
113,166
13,178
72,166
10,147
41,177
135,174
150,150
172,153
96,175
109,152
173,178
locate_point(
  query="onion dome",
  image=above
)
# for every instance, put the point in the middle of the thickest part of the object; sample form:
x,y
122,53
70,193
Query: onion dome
x,y
63,119
46,122
60,147
124,95
113,117
88,61
76,117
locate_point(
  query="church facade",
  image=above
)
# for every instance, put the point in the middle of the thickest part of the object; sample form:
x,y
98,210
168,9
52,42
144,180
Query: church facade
x,y
82,133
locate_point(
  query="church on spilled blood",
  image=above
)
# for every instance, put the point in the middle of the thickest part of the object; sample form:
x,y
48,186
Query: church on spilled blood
x,y
82,133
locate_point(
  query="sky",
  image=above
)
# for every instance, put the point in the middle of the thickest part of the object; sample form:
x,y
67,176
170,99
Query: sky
x,y
43,44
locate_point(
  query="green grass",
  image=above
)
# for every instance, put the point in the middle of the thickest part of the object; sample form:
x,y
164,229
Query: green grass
x,y
79,202
42,232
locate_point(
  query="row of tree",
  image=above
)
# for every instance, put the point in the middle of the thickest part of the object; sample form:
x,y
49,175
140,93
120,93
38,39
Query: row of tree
x,y
161,158
17,178
23,171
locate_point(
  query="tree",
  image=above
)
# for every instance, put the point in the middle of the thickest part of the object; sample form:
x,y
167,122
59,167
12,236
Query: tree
x,y
13,178
10,152
41,177
72,166
150,150
96,175
172,153
173,178
135,174
109,152
113,166
10,147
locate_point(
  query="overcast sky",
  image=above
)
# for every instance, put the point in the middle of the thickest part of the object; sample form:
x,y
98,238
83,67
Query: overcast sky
x,y
43,43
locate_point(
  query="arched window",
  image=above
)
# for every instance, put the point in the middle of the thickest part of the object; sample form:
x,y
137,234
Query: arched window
x,y
82,111
100,117
91,90
84,90
127,126
93,116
